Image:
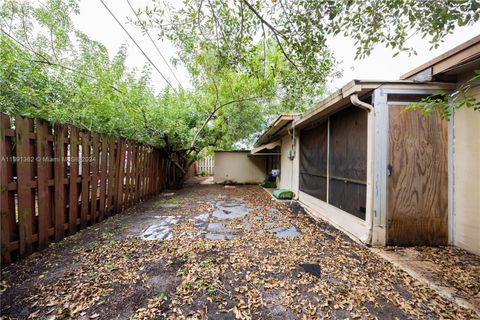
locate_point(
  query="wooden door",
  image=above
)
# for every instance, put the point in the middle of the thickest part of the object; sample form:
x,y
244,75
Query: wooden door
x,y
418,179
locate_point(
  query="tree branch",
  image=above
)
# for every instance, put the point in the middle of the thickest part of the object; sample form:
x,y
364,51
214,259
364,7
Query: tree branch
x,y
276,33
210,116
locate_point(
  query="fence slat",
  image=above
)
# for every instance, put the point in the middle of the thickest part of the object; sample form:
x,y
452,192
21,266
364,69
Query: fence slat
x,y
94,176
85,179
44,208
137,167
59,178
73,187
24,177
7,206
103,177
111,176
52,172
120,174
128,173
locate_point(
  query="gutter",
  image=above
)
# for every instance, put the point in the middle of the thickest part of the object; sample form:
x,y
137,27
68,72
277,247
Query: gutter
x,y
370,158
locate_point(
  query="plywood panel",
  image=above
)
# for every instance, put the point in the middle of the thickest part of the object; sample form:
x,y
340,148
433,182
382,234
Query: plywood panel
x,y
417,185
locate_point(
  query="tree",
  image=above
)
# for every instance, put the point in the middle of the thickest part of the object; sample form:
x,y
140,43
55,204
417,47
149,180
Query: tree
x,y
248,60
75,81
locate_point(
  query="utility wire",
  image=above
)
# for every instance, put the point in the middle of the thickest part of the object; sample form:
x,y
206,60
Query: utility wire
x,y
156,47
45,61
138,46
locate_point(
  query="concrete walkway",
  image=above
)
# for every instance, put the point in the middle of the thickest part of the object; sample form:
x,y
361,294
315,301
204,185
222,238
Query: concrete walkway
x,y
452,272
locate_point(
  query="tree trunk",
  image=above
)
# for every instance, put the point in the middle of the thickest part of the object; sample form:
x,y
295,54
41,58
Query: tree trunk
x,y
178,177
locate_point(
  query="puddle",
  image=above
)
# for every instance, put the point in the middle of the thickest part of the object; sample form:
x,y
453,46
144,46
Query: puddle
x,y
230,209
212,196
291,232
247,224
219,236
161,230
270,225
218,227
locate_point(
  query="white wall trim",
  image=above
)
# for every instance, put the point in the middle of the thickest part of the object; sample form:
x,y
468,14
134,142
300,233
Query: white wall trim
x,y
355,227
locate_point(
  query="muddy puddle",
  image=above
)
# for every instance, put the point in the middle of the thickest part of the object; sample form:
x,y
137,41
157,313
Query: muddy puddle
x,y
211,225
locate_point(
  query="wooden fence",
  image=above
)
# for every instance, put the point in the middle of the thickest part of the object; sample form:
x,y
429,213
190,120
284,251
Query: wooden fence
x,y
58,180
206,165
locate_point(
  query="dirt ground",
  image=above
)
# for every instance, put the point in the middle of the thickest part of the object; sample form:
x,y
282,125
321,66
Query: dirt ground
x,y
220,253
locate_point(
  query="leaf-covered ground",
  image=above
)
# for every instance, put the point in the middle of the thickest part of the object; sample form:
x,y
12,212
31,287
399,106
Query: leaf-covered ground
x,y
262,264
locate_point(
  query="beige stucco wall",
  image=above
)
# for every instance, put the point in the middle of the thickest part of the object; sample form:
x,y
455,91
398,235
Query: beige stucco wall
x,y
238,167
466,176
289,173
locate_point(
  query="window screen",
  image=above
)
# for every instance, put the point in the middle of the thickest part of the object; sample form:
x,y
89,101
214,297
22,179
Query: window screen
x,y
348,161
313,161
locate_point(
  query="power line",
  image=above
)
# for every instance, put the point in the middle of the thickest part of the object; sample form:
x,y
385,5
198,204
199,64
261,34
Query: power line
x,y
138,46
45,61
156,47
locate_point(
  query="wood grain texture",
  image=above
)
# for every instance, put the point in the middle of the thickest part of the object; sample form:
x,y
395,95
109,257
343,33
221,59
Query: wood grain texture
x,y
7,201
103,178
111,175
417,186
73,184
59,140
43,161
85,194
26,201
119,188
94,164
47,192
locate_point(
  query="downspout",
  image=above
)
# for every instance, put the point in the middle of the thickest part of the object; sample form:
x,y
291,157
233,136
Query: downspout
x,y
370,156
291,133
293,161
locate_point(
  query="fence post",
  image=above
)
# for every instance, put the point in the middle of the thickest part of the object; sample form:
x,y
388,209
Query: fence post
x,y
7,209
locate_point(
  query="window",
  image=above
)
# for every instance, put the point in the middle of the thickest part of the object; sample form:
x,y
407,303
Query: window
x,y
333,160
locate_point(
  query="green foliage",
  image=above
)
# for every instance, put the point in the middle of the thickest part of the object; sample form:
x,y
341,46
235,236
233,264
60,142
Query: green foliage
x,y
248,61
444,104
269,184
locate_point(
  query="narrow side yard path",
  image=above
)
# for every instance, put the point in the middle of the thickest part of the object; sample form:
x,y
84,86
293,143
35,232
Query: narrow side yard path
x,y
216,252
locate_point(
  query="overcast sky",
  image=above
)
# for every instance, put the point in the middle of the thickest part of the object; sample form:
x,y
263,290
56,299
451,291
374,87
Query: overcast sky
x,y
97,23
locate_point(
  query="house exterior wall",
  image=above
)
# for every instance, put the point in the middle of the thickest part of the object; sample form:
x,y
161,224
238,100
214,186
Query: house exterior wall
x,y
238,167
466,175
289,168
357,228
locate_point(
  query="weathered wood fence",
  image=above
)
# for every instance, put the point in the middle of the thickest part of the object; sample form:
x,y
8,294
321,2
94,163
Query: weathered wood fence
x,y
57,180
206,165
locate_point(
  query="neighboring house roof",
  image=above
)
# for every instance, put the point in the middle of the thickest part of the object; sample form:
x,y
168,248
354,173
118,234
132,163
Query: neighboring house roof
x,y
466,55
